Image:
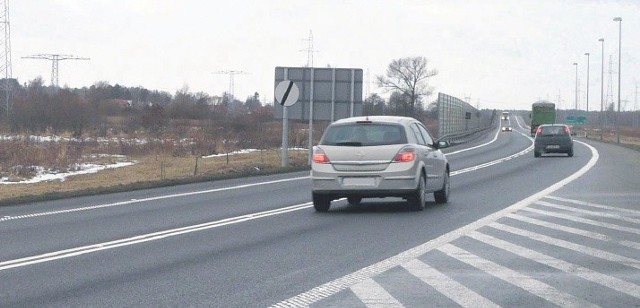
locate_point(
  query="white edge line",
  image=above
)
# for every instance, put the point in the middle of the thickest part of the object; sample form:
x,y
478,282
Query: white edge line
x,y
172,232
132,201
167,233
346,281
497,161
145,237
477,146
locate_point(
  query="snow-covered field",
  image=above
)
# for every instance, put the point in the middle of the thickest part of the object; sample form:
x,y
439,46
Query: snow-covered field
x,y
45,175
87,168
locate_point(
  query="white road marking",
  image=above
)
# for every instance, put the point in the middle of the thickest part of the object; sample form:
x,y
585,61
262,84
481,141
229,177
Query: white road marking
x,y
450,288
585,233
520,124
595,205
583,220
570,268
146,237
314,294
520,280
630,244
594,252
132,201
590,213
373,295
554,226
323,291
157,235
478,146
491,163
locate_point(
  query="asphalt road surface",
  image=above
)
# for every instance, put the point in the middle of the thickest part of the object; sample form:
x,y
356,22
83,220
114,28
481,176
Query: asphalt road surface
x,y
518,231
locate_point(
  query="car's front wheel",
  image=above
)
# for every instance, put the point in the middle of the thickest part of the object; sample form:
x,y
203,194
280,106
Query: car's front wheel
x,y
321,203
442,196
417,199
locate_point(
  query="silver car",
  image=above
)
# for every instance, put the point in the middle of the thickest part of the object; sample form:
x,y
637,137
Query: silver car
x,y
378,156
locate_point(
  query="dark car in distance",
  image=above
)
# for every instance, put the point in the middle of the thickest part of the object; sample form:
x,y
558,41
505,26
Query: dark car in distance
x,y
553,138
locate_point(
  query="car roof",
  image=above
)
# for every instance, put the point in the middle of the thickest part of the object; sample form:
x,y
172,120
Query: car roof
x,y
385,119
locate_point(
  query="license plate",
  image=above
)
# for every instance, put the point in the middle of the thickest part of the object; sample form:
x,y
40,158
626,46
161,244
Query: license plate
x,y
553,147
358,181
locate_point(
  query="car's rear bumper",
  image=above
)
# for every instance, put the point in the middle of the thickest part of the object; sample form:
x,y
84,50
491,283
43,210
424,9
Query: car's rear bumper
x,y
545,148
384,187
393,182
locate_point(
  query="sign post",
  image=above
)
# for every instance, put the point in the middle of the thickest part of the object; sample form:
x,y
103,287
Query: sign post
x,y
286,93
326,94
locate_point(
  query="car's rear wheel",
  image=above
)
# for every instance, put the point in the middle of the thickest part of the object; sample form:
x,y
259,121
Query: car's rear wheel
x,y
354,200
570,153
442,196
536,154
417,199
321,203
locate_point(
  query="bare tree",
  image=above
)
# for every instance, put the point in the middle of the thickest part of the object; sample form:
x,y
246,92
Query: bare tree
x,y
374,105
408,76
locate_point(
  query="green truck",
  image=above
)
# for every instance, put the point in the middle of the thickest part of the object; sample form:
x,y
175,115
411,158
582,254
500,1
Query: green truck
x,y
542,112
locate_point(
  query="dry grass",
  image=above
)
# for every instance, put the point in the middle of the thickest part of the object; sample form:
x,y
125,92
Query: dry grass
x,y
153,170
629,137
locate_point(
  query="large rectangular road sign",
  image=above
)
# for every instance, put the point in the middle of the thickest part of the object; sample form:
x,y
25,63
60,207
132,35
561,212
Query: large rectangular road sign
x,y
334,93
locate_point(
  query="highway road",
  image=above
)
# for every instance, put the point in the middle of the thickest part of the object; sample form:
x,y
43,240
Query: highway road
x,y
518,231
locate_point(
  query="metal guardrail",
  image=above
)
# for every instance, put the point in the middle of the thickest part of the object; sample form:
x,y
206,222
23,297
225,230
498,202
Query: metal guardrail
x,y
458,119
458,137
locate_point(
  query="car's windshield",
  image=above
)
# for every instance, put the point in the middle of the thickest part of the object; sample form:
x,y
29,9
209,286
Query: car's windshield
x,y
357,134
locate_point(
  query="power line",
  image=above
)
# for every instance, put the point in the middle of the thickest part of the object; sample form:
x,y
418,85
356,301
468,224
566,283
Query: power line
x,y
5,64
635,108
559,100
309,49
609,97
231,74
55,58
368,89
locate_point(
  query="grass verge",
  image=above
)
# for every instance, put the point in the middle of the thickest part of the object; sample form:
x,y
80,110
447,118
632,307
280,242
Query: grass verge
x,y
154,171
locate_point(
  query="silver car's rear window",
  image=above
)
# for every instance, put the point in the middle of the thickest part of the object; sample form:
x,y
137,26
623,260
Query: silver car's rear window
x,y
364,134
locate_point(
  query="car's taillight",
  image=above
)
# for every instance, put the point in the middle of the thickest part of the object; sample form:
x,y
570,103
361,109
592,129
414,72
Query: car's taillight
x,y
538,131
566,130
319,156
405,155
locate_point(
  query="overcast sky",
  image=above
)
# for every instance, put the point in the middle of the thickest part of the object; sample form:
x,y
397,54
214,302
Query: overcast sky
x,y
502,54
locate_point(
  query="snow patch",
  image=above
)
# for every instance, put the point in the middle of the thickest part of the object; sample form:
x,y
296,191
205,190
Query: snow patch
x,y
46,175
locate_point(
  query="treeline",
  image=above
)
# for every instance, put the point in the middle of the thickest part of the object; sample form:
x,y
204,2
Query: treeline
x,y
103,109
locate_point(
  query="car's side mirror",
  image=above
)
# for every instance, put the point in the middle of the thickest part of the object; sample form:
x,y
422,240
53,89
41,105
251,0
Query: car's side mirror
x,y
443,144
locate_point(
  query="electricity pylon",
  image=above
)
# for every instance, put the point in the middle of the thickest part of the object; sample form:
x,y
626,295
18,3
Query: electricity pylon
x,y
309,50
5,57
231,81
55,58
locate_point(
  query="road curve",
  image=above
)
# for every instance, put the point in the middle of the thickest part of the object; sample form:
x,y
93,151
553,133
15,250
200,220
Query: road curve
x,y
256,242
